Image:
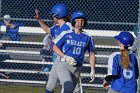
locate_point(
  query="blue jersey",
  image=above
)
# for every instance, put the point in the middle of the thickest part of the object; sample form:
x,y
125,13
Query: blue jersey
x,y
75,45
56,29
127,81
12,33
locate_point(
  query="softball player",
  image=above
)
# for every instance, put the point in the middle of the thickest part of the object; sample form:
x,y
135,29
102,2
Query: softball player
x,y
122,67
60,23
71,45
60,17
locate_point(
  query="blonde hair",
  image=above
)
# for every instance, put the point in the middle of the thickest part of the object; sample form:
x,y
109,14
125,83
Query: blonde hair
x,y
125,58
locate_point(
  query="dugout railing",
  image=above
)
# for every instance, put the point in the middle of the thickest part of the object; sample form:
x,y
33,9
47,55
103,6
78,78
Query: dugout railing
x,y
20,59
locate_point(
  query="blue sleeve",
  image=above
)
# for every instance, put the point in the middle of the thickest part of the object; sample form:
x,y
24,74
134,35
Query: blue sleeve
x,y
91,46
52,31
59,41
16,28
115,66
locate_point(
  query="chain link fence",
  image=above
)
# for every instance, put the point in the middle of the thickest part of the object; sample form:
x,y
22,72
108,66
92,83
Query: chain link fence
x,y
21,62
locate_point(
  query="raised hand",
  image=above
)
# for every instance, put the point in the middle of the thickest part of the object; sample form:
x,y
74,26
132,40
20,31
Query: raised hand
x,y
37,14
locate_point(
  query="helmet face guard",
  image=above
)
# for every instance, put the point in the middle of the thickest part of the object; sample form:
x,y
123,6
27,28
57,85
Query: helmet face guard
x,y
126,38
77,15
59,11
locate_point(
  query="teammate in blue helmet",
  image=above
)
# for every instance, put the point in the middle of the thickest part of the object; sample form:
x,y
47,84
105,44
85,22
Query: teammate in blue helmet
x,y
59,14
125,38
122,67
76,15
59,11
61,23
72,45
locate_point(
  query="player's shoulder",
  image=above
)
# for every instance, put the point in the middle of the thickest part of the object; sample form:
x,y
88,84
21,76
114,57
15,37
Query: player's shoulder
x,y
63,34
114,58
66,32
132,54
85,34
55,26
115,54
68,24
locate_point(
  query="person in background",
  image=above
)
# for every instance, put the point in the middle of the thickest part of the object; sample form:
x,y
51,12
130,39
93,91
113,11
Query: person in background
x,y
47,52
123,70
11,28
136,40
47,47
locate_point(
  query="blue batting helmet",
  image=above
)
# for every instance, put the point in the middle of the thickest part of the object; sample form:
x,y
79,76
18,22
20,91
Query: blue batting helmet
x,y
59,10
126,38
78,14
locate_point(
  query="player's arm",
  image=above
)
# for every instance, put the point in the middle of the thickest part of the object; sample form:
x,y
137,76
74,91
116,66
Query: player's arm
x,y
108,79
112,71
92,60
58,44
92,65
70,60
91,49
11,25
58,51
45,27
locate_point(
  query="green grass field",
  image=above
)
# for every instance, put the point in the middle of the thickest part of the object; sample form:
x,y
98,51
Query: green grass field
x,y
32,89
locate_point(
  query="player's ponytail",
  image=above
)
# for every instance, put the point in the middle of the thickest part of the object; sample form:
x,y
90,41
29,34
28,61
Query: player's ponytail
x,y
125,58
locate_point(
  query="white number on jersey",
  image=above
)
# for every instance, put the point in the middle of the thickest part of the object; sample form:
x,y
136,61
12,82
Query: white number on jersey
x,y
76,50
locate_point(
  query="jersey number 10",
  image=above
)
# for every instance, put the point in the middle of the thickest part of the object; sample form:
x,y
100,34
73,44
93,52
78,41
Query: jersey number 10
x,y
76,50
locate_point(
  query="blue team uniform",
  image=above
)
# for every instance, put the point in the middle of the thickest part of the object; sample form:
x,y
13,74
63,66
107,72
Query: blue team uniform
x,y
126,83
56,30
75,45
12,33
